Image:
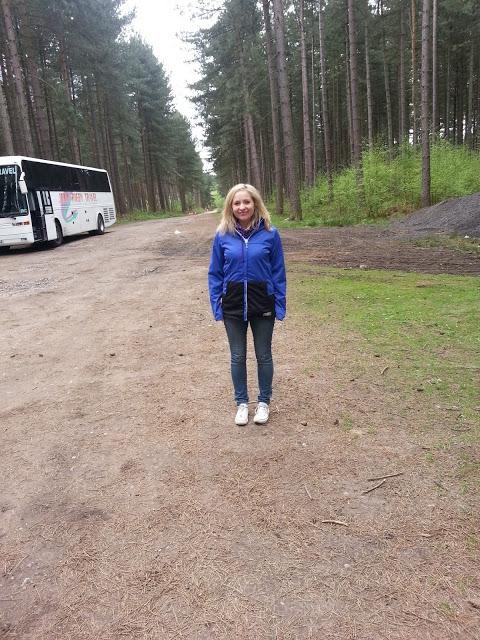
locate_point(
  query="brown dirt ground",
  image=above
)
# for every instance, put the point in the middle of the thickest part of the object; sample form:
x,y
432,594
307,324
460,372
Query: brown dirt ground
x,y
131,507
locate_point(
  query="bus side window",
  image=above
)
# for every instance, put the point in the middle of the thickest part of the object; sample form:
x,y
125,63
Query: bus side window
x,y
86,180
46,201
75,178
32,201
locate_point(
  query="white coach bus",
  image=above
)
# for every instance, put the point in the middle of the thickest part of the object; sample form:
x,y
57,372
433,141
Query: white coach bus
x,y
43,201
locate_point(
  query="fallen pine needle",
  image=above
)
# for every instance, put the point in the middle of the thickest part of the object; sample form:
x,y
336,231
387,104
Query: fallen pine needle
x,y
343,524
412,613
373,488
390,475
384,370
308,492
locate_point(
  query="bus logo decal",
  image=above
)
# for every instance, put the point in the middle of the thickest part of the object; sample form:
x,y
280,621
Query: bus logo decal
x,y
66,198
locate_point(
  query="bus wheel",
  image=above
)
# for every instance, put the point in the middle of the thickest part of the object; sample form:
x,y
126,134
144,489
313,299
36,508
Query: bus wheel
x,y
100,230
59,239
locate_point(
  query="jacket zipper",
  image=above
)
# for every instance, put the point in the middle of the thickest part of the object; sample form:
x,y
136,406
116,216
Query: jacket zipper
x,y
245,282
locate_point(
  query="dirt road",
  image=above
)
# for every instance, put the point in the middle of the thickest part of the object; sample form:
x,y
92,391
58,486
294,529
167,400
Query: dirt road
x,y
131,507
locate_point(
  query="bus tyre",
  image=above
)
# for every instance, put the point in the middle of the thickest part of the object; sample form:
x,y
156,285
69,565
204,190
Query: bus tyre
x,y
100,230
59,239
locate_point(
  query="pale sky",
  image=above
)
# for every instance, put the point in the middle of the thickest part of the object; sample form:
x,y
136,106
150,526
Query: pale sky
x,y
161,23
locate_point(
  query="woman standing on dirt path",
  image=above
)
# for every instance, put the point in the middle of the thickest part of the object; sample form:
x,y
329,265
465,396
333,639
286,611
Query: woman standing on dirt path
x,y
247,285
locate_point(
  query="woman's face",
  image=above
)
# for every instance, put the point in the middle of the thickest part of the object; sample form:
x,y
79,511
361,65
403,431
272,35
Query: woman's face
x,y
243,208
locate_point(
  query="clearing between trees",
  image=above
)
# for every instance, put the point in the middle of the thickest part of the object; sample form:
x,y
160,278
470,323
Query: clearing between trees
x,y
132,507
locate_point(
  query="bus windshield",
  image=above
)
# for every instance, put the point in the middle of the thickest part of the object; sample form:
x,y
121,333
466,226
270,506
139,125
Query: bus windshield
x,y
12,202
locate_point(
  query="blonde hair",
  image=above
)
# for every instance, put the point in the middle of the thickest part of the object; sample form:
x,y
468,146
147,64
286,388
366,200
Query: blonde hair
x,y
228,221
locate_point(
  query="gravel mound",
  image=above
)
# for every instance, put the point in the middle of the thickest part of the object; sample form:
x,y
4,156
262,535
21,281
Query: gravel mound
x,y
455,216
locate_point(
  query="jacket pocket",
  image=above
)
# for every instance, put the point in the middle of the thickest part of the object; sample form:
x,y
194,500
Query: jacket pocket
x,y
232,300
259,302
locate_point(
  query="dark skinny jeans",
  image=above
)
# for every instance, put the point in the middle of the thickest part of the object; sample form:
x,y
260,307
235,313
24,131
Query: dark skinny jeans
x,y
262,330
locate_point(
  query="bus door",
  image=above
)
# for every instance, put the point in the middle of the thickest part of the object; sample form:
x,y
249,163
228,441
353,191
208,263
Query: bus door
x,y
40,213
48,217
36,214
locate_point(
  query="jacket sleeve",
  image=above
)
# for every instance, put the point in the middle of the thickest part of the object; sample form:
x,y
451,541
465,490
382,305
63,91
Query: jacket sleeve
x,y
279,277
215,278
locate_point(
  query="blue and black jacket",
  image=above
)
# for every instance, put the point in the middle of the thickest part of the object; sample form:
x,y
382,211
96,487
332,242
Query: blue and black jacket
x,y
247,278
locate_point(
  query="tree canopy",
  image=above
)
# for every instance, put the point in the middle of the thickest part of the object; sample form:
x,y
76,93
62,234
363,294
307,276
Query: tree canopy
x,y
74,88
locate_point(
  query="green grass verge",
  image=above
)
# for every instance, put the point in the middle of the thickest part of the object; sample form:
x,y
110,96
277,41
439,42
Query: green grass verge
x,y
139,216
424,326
457,243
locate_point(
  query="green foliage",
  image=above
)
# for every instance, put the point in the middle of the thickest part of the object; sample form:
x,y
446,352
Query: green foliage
x,y
217,200
391,186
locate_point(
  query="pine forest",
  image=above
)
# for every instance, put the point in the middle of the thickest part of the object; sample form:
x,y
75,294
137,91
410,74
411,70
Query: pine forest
x,y
75,90
291,93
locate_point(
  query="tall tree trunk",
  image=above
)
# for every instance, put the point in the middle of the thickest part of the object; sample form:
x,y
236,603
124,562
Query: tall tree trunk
x,y
7,147
182,195
251,146
27,141
72,133
357,141
307,138
388,99
348,95
336,157
454,114
469,117
32,48
401,85
286,113
476,118
425,104
272,78
314,129
458,121
327,142
93,122
16,125
161,188
147,167
413,34
52,129
113,161
369,90
130,197
248,155
102,146
256,173
265,187
435,123
447,96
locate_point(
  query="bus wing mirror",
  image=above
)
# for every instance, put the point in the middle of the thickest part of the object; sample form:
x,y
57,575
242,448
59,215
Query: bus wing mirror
x,y
22,184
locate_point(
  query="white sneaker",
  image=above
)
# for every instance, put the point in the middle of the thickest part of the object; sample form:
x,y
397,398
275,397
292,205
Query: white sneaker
x,y
261,413
241,419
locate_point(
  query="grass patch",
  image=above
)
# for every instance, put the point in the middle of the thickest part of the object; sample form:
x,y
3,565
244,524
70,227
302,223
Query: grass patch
x,y
457,243
424,327
140,216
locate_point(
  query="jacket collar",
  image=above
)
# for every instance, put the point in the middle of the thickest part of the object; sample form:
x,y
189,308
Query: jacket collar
x,y
247,233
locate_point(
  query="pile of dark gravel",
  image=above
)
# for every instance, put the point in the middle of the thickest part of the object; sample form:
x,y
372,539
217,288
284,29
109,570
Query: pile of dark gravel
x,y
460,216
